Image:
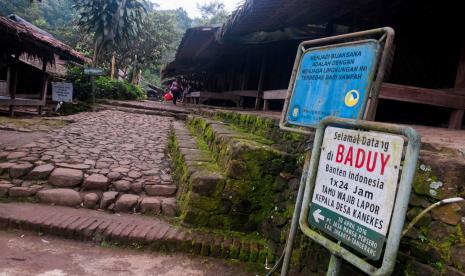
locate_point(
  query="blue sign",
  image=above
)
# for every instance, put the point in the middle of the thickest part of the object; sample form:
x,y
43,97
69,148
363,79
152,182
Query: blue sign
x,y
333,81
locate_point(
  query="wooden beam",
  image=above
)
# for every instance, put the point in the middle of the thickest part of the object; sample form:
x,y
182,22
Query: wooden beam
x,y
275,94
20,102
456,118
14,87
460,76
8,80
43,91
419,95
261,79
15,84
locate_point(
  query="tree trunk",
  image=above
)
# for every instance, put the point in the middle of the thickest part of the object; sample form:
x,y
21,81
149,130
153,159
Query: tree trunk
x,y
94,57
113,65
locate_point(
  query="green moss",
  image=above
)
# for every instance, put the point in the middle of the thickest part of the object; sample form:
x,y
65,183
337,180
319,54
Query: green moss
x,y
421,183
203,202
460,236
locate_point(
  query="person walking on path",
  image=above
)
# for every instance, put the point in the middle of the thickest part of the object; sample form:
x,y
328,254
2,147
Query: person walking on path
x,y
176,90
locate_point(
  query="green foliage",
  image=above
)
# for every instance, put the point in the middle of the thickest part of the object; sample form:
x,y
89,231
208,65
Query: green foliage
x,y
111,21
107,88
213,14
54,16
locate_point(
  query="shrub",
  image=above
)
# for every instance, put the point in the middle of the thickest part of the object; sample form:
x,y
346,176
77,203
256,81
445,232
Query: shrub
x,y
105,88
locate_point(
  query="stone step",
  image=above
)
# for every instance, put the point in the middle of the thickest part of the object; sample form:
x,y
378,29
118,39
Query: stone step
x,y
131,230
241,155
228,180
145,108
259,124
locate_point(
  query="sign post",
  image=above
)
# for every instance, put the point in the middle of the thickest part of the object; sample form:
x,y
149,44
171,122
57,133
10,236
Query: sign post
x,y
62,92
341,79
346,194
355,187
353,191
93,72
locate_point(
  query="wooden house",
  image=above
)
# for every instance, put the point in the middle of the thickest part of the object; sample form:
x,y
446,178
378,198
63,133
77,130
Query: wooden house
x,y
249,59
29,58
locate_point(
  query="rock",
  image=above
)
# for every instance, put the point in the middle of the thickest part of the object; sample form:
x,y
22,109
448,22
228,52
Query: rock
x,y
65,197
424,221
205,182
126,203
20,170
151,205
63,177
21,192
90,200
96,182
89,162
4,187
424,252
421,269
102,165
40,172
440,232
113,176
137,187
151,172
294,184
416,200
279,185
4,167
450,271
121,170
165,177
74,166
3,155
16,155
134,174
270,231
457,254
160,190
169,207
107,199
449,213
122,185
442,177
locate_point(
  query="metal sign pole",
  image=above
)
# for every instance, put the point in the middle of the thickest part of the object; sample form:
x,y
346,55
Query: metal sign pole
x,y
295,216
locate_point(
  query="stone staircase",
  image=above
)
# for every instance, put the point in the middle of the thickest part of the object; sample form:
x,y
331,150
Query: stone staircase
x,y
230,179
95,163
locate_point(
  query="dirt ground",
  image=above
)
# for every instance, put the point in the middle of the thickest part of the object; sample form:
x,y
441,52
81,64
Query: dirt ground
x,y
26,253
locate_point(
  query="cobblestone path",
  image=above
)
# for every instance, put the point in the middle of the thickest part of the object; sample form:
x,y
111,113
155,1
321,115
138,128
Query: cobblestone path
x,y
108,160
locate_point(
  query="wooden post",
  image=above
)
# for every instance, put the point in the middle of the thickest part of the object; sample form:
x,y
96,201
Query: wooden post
x,y
8,80
231,80
15,83
261,79
456,116
43,91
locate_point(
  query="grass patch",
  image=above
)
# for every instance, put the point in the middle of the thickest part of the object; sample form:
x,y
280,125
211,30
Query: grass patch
x,y
32,123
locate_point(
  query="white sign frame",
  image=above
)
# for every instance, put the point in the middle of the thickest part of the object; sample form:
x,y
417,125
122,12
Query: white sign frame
x,y
62,91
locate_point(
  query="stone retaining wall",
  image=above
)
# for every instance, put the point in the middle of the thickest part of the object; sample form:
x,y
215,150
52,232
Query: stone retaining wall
x,y
435,246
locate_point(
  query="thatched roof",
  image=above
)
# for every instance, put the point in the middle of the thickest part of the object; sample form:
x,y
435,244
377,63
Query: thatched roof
x,y
197,49
272,15
18,35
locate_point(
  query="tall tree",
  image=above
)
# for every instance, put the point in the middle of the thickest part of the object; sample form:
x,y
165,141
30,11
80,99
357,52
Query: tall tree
x,y
151,45
212,13
111,21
